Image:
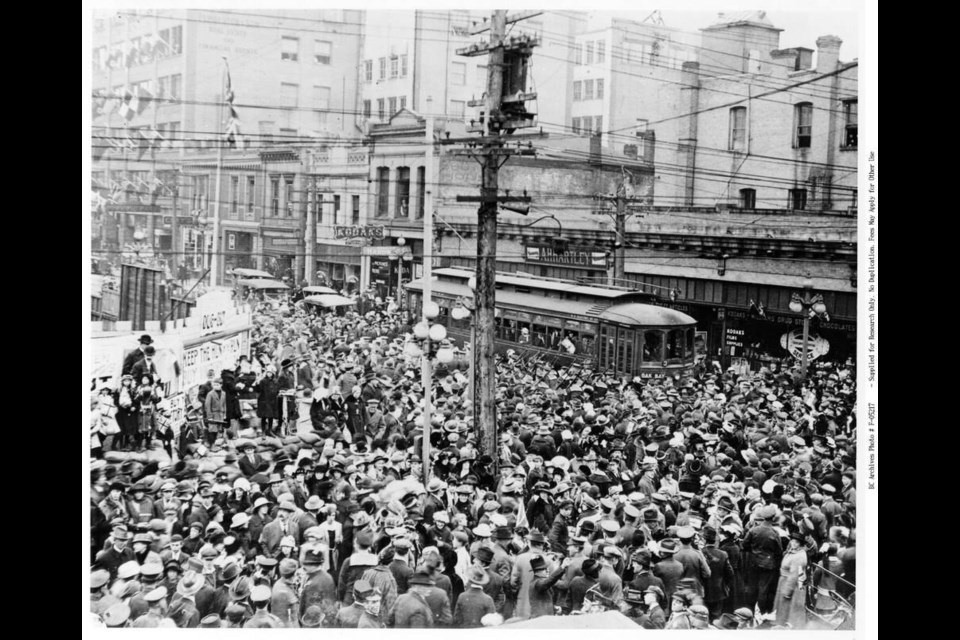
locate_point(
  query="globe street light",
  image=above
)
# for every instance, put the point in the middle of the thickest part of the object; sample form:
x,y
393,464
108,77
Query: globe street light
x,y
809,304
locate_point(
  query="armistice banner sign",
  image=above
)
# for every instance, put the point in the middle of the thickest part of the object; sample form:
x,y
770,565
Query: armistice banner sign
x,y
214,354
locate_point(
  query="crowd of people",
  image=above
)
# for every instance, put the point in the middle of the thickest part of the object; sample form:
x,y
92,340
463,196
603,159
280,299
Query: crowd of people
x,y
716,500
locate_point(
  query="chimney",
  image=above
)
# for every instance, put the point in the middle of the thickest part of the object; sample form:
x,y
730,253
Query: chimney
x,y
828,53
596,149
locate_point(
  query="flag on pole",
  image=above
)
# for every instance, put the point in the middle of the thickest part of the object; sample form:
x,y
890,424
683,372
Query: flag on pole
x,y
143,99
129,105
232,132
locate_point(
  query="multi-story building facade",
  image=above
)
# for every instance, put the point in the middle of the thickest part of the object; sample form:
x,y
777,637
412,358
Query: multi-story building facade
x,y
410,61
162,80
622,71
748,191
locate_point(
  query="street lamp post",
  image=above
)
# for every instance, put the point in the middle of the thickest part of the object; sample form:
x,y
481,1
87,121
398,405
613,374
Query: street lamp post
x,y
809,304
426,333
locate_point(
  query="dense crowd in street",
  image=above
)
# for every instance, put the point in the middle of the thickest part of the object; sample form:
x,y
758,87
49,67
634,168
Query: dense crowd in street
x,y
295,495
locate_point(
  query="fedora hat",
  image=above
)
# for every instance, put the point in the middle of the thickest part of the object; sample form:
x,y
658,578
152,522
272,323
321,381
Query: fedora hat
x,y
190,584
477,576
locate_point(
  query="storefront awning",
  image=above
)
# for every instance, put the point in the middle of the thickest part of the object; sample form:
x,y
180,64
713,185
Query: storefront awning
x,y
329,301
251,273
263,283
318,290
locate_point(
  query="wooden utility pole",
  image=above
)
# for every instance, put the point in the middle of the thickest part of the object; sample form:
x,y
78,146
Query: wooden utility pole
x,y
623,204
485,408
503,111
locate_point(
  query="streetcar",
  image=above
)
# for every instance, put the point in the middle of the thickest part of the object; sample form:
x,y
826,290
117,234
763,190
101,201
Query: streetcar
x,y
611,329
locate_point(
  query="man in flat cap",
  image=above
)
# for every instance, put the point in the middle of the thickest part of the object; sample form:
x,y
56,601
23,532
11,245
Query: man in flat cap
x,y
262,618
411,610
763,551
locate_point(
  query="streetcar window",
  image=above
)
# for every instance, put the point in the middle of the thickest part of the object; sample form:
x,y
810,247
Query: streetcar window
x,y
607,346
587,343
523,333
653,346
540,336
625,342
568,343
675,344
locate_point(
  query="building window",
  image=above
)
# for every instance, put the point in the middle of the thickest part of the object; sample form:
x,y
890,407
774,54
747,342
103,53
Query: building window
x,y
289,95
321,51
458,108
383,191
588,89
275,197
289,48
748,198
588,59
403,103
381,108
288,196
176,40
355,213
394,67
738,130
601,50
336,208
575,126
598,124
577,91
173,131
803,117
392,102
458,73
850,124
403,192
403,66
251,197
599,93
587,125
383,68
421,190
368,70
321,101
366,108
176,82
288,136
266,128
234,193
578,54
798,199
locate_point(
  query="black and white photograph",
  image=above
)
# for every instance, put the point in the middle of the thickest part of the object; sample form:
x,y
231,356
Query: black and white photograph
x,y
460,316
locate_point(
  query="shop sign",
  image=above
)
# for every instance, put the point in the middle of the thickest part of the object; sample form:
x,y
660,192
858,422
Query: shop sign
x,y
284,242
358,231
388,252
573,257
733,339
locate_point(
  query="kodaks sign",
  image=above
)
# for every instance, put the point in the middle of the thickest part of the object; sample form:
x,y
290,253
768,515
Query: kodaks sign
x,y
349,232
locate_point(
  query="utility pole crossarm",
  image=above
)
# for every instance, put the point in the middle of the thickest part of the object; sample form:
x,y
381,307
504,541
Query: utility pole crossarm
x,y
510,19
494,199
